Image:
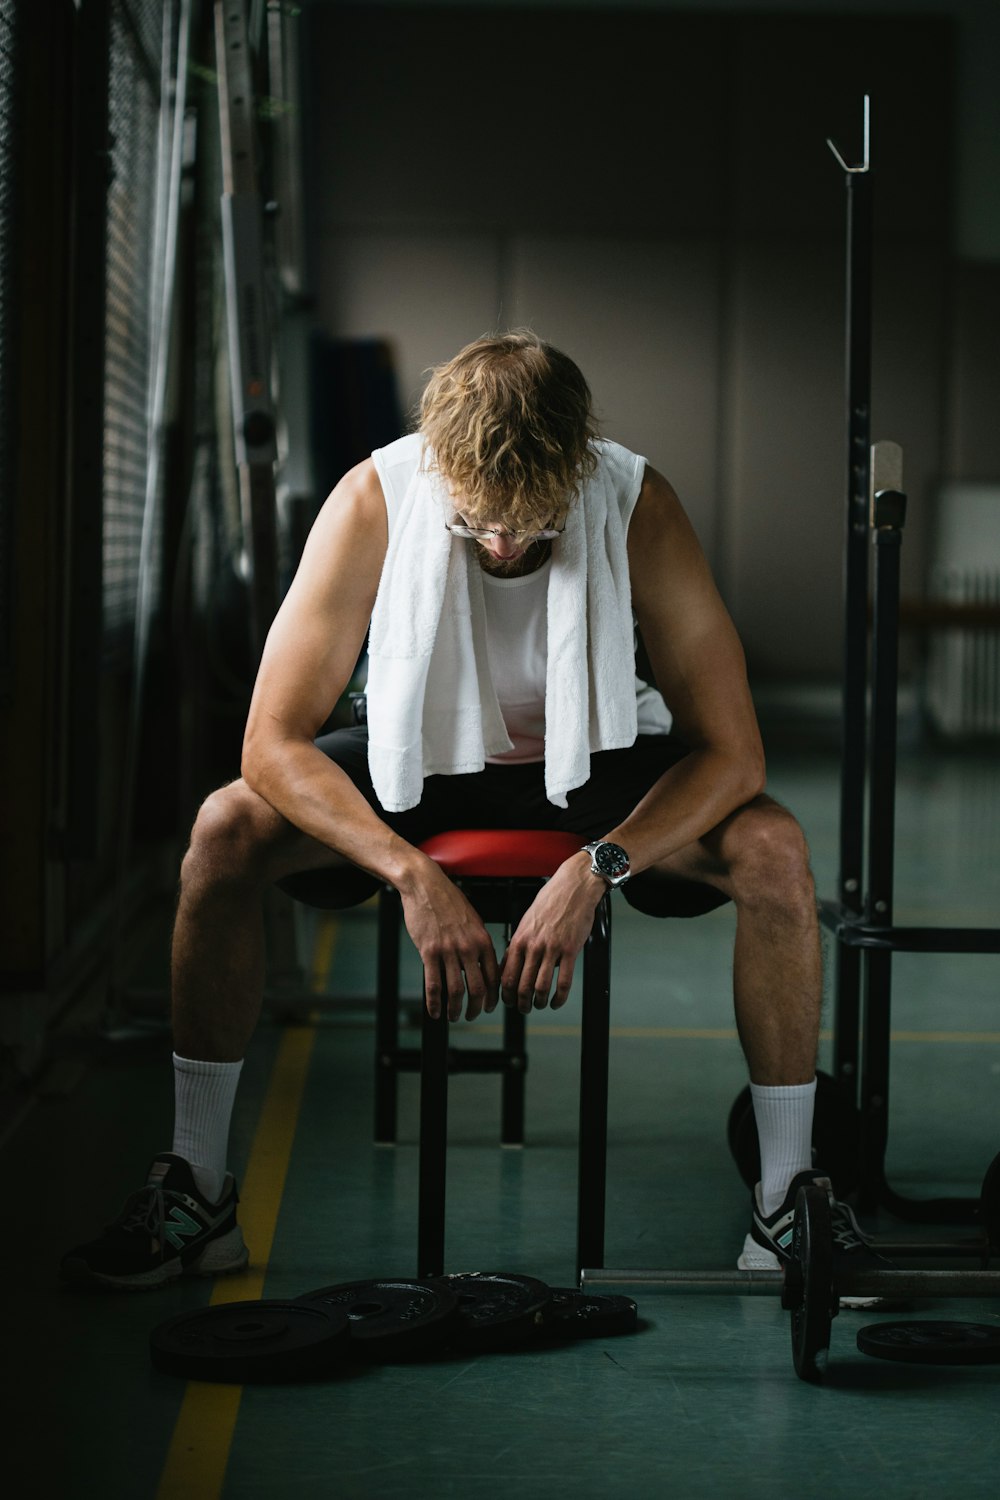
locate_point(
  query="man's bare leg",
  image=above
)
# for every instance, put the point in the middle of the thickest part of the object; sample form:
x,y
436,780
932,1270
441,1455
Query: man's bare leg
x,y
760,859
183,1221
777,974
239,847
778,985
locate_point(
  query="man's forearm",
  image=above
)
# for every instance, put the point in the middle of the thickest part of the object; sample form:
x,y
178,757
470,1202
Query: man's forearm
x,y
319,798
687,801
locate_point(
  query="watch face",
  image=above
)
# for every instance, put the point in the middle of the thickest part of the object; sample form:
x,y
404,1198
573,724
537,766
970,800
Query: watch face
x,y
611,860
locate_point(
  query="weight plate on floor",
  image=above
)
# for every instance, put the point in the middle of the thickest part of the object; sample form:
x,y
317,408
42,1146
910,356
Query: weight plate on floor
x,y
734,1128
741,1132
812,1303
836,1137
989,1203
933,1343
583,1315
392,1319
498,1310
240,1342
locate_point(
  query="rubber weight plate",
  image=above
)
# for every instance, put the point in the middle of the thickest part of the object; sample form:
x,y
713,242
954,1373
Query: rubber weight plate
x,y
933,1342
242,1342
989,1203
836,1139
498,1310
583,1315
390,1319
808,1294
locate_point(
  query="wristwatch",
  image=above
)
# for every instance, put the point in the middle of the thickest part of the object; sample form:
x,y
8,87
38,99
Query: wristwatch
x,y
609,861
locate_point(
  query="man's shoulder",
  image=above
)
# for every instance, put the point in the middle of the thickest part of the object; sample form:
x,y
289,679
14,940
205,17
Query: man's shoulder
x,y
610,452
606,445
397,465
622,466
405,450
623,471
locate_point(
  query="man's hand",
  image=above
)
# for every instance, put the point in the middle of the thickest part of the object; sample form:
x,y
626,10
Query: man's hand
x,y
453,944
549,936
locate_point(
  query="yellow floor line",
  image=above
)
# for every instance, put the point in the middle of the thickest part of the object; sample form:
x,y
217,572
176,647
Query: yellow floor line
x,y
728,1033
672,1033
325,942
945,1036
195,1467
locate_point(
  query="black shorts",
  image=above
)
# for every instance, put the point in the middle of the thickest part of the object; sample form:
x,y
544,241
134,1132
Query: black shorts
x,y
513,796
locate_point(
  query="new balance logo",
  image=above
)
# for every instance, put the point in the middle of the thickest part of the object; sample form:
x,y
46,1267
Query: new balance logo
x,y
180,1227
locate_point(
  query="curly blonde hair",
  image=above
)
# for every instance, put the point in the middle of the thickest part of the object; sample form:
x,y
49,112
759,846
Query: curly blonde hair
x,y
509,422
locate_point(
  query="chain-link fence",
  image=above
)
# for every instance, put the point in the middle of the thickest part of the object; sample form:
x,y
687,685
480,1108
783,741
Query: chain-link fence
x,y
136,44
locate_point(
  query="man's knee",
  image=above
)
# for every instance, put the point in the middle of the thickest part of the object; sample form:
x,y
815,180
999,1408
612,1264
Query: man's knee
x,y
769,857
232,836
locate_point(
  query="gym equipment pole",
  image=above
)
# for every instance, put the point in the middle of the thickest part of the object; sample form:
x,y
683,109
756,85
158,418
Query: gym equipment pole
x,y
858,334
888,515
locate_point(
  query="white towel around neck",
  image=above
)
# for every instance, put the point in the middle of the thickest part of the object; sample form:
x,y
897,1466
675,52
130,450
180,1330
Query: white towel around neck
x,y
432,706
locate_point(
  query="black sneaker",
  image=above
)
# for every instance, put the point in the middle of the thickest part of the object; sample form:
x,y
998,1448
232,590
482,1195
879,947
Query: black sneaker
x,y
165,1230
768,1246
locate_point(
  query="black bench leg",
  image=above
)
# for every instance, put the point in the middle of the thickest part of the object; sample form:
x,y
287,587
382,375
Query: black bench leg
x,y
433,1145
387,1017
594,1044
515,1066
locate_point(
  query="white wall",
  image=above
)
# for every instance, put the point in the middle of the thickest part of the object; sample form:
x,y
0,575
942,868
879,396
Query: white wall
x,y
653,194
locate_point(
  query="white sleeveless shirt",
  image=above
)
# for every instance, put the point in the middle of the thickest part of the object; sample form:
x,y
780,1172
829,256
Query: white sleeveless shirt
x,y
516,627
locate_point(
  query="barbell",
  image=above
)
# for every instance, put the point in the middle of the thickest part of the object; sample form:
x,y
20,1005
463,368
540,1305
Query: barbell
x,y
811,1286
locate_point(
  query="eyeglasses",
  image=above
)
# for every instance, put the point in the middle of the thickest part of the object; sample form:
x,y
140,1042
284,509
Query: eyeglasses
x,y
457,527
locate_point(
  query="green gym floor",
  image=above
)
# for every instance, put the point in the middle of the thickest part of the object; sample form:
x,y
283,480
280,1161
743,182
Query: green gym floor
x,y
702,1401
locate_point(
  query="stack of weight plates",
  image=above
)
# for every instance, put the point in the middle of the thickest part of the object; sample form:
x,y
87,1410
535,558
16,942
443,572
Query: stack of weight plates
x,y
320,1333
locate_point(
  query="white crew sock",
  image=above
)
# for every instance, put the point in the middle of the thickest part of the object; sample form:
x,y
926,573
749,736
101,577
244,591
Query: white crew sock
x,y
784,1117
203,1104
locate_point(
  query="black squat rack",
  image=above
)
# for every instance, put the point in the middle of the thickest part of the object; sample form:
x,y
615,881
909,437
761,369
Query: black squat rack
x,y
853,1107
861,917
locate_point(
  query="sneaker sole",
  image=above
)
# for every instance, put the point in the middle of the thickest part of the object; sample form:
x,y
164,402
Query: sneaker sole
x,y
880,1304
754,1257
225,1256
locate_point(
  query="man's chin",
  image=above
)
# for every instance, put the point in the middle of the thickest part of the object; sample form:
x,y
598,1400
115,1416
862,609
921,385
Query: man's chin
x,y
512,567
502,567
